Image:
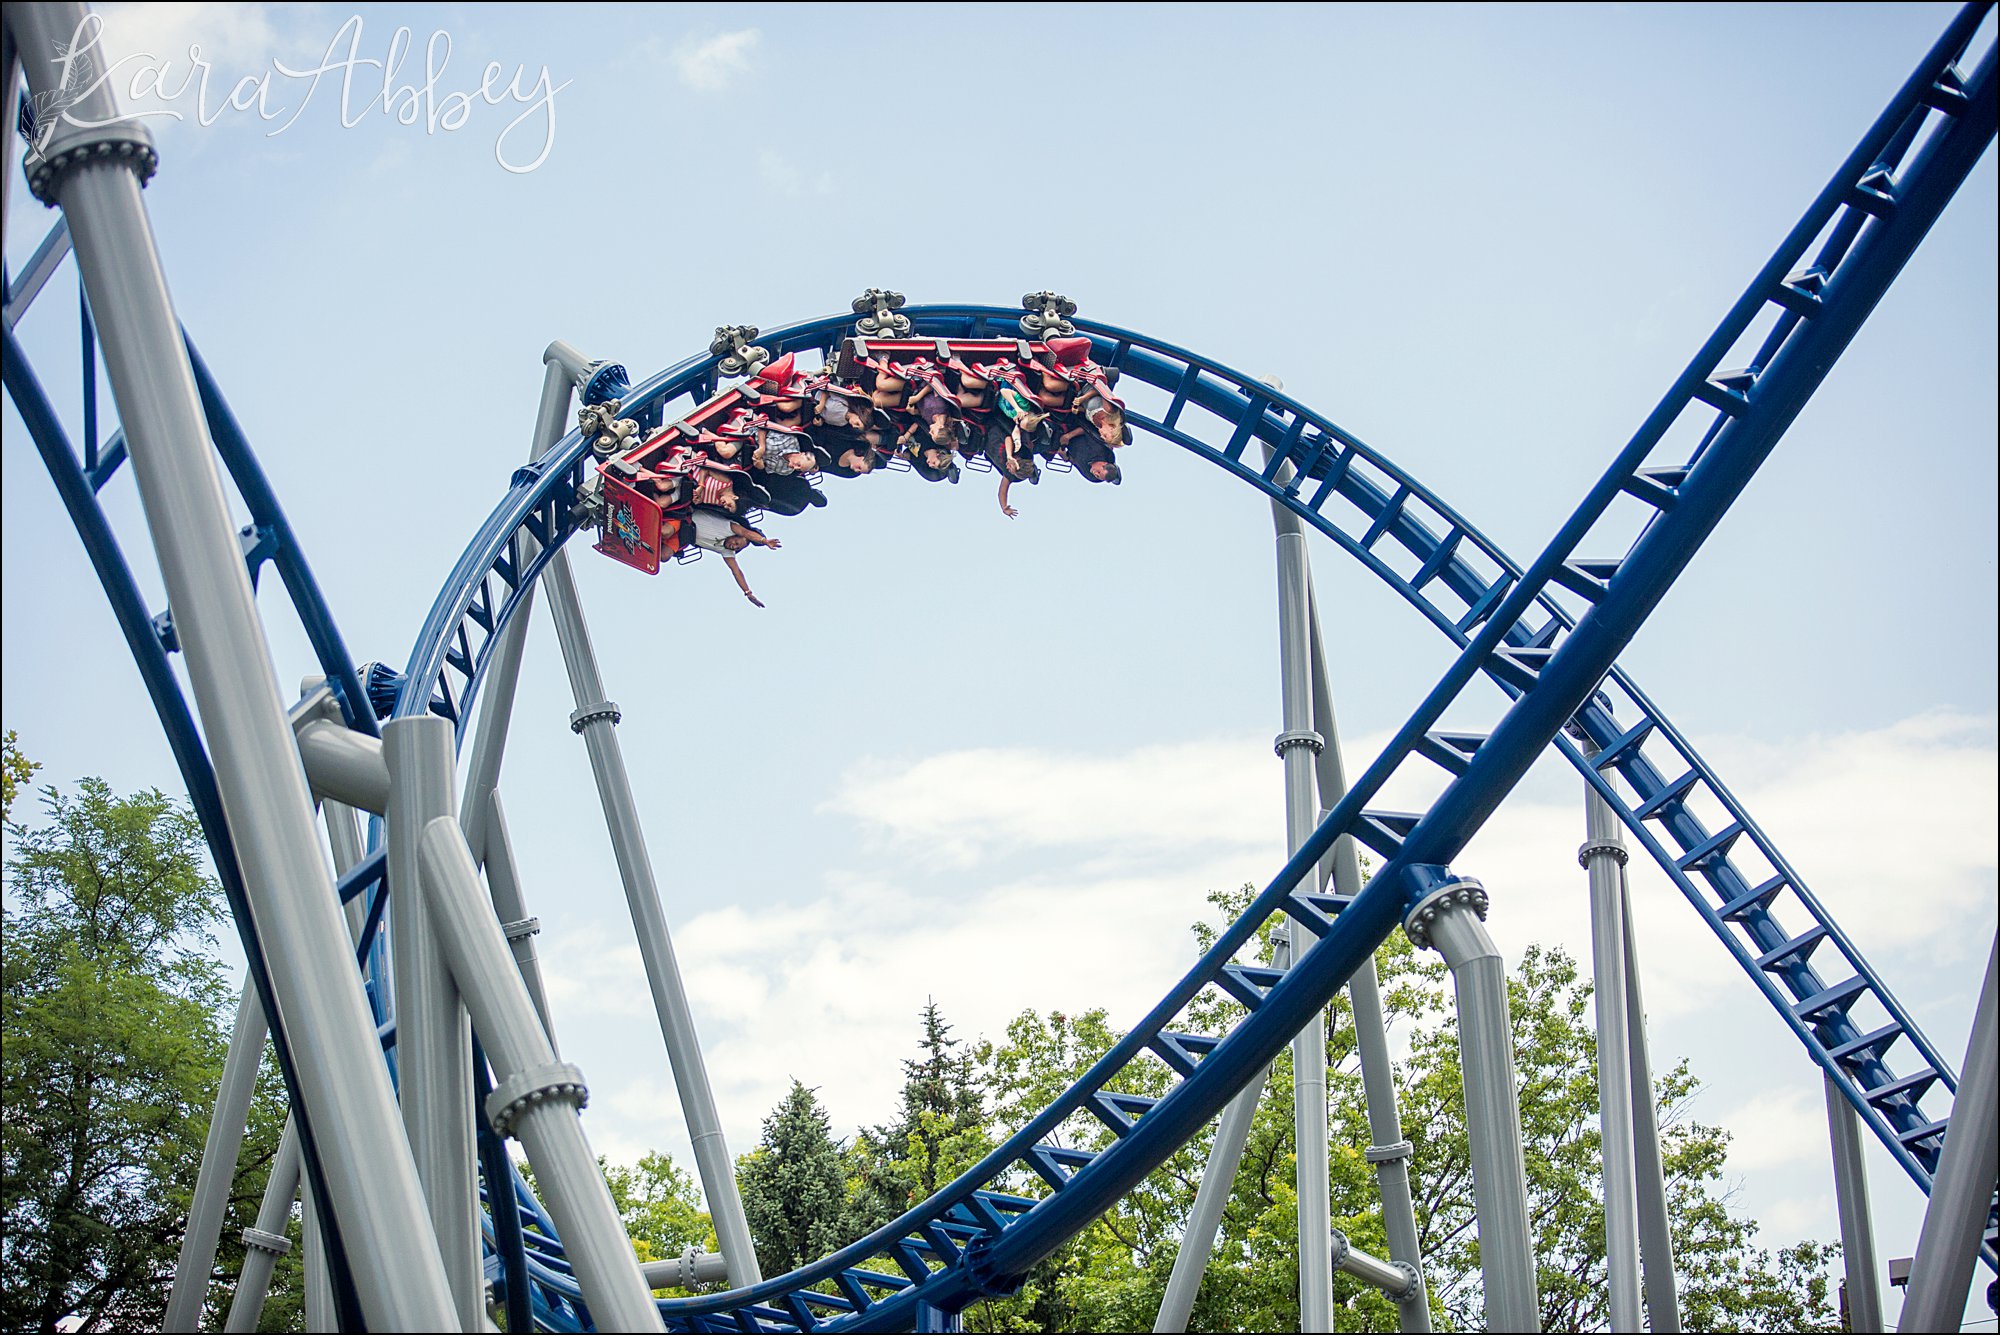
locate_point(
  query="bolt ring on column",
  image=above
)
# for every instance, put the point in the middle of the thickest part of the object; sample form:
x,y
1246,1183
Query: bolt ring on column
x,y
1611,846
523,1089
131,142
277,1244
1417,924
1308,738
589,714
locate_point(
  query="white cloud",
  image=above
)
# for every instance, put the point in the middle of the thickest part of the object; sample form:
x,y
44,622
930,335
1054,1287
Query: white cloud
x,y
711,64
966,806
1783,1125
1007,878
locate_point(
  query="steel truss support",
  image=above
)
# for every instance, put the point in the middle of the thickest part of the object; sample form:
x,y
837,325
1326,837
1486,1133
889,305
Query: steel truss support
x,y
595,720
1638,1244
1603,856
1297,746
433,1035
218,1165
1388,1150
1857,1225
1452,918
93,167
1962,1194
535,1097
265,1241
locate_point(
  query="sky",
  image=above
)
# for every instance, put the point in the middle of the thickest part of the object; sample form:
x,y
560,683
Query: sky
x,y
996,763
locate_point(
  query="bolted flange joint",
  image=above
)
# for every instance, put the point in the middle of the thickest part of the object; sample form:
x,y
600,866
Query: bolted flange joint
x,y
1308,738
71,147
1402,1149
277,1244
1464,891
1340,1247
1611,846
521,930
537,1084
589,714
1413,1290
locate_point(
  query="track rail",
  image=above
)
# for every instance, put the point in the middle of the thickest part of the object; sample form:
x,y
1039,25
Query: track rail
x,y
1547,634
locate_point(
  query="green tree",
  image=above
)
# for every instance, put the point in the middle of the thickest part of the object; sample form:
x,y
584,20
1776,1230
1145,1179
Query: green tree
x,y
112,1038
1113,1274
794,1187
660,1205
15,770
939,1132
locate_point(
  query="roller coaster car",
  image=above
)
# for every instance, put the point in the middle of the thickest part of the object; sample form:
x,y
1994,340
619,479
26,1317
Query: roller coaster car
x,y
640,529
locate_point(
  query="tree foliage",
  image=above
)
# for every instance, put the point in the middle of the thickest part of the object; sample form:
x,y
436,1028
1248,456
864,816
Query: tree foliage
x,y
112,1038
940,1130
795,1186
15,770
1112,1275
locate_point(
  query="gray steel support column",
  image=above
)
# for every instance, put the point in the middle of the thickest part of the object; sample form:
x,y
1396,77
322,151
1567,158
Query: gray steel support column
x,y
265,1241
1857,1226
1297,746
1389,1151
595,719
535,1097
320,1315
503,669
357,1139
1656,1238
218,1165
433,1037
1218,1178
1962,1189
503,881
1397,1279
344,835
1451,919
1603,855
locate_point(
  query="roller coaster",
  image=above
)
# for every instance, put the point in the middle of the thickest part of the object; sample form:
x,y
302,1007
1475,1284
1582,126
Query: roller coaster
x,y
403,765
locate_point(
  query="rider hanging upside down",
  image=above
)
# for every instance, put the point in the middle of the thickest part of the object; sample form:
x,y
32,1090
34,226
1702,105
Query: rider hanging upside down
x,y
718,527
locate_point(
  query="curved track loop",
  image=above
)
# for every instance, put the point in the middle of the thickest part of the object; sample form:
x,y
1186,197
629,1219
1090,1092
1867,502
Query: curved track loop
x,y
1547,635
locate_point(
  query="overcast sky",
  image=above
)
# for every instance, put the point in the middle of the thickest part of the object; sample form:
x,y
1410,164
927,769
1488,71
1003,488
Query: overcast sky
x,y
999,763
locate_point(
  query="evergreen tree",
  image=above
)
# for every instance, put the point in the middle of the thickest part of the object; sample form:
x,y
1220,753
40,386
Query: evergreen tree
x,y
794,1190
939,1131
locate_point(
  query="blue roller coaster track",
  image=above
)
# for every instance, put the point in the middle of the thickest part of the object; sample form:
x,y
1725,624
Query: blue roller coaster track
x,y
1548,634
